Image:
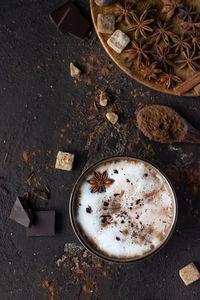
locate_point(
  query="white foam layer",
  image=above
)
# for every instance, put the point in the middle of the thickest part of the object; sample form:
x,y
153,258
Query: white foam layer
x,y
137,220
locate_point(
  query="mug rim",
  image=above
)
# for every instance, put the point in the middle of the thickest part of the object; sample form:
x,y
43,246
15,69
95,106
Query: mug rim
x,y
98,253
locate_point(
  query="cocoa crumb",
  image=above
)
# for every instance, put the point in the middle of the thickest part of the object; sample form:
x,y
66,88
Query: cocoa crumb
x,y
127,180
117,238
106,203
89,209
26,156
116,172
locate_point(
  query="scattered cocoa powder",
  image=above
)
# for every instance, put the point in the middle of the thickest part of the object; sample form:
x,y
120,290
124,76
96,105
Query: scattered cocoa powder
x,y
26,156
161,124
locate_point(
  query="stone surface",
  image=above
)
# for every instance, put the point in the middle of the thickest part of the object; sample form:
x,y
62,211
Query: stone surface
x,y
105,23
43,111
118,41
189,274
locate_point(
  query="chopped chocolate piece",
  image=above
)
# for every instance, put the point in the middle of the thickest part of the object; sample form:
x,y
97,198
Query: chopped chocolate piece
x,y
57,14
105,23
64,161
138,201
127,180
74,71
117,194
4,190
116,172
117,238
104,98
189,274
40,194
44,224
118,41
105,2
20,213
106,203
89,209
112,117
73,22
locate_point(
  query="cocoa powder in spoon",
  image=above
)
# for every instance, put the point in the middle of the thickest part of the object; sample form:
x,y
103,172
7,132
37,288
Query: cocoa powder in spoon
x,y
161,124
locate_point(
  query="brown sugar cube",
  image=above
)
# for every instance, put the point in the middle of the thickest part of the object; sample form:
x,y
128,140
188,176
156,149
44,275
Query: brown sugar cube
x,y
112,117
105,23
118,41
189,274
104,97
74,71
64,161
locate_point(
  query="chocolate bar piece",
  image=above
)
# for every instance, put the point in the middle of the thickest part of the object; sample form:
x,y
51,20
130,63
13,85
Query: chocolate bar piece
x,y
57,14
44,224
20,213
69,20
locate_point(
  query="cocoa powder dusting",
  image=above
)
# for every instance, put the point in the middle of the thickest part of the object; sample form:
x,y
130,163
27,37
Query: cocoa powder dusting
x,y
161,124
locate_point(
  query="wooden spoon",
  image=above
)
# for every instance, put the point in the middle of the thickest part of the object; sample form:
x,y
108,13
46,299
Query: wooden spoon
x,y
192,135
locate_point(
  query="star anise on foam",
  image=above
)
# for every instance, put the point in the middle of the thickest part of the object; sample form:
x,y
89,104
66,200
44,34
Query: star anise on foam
x,y
189,60
186,14
164,57
99,181
124,12
193,26
141,25
195,39
149,71
162,32
169,79
170,6
137,51
180,43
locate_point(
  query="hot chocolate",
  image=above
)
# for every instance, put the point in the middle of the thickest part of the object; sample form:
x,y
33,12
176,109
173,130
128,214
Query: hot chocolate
x,y
125,208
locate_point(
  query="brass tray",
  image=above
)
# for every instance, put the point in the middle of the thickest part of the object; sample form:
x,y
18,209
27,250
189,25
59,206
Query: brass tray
x,y
119,58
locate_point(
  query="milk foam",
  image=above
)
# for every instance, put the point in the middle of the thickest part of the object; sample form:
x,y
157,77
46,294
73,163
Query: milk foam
x,y
134,215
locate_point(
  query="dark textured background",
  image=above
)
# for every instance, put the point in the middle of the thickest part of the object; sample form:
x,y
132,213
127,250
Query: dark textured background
x,y
42,111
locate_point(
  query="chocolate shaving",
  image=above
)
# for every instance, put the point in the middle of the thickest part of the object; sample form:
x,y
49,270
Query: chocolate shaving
x,y
4,190
89,209
40,194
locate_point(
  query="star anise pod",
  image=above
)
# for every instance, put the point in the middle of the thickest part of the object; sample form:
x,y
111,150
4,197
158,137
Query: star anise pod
x,y
140,25
195,39
180,43
146,8
189,60
194,25
164,57
138,51
124,12
168,79
187,13
99,181
149,71
170,6
162,32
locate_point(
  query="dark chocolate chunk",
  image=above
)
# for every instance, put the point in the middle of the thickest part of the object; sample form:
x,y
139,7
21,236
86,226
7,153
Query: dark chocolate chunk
x,y
89,209
20,212
73,22
57,14
44,224
68,19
